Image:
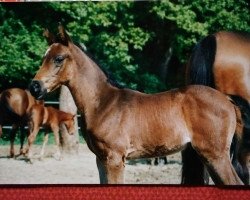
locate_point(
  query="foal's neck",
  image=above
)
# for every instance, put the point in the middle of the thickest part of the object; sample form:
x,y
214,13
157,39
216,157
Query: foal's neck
x,y
89,87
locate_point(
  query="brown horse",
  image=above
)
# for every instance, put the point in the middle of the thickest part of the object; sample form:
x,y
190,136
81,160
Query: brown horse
x,y
49,118
222,61
122,124
15,104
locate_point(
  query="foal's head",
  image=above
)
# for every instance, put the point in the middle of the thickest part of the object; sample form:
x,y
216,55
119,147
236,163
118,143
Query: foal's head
x,y
57,65
69,123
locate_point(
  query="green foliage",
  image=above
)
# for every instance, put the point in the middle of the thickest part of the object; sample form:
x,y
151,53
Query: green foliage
x,y
21,51
129,39
194,19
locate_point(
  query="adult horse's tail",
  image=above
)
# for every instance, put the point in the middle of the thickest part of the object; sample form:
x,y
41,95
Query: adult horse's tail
x,y
199,71
240,148
200,66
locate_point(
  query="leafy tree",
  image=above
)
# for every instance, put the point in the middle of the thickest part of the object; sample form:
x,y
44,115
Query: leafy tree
x,y
193,20
139,42
21,50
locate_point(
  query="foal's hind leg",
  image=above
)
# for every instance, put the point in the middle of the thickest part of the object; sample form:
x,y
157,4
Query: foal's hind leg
x,y
222,171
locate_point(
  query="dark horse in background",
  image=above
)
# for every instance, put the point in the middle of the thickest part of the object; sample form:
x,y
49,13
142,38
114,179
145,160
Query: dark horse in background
x,y
15,105
222,61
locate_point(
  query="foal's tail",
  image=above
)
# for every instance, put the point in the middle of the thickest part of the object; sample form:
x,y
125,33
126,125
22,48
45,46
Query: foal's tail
x,y
240,148
199,71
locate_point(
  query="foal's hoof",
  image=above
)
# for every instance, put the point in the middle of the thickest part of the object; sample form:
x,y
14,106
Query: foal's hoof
x,y
40,158
16,156
23,152
57,157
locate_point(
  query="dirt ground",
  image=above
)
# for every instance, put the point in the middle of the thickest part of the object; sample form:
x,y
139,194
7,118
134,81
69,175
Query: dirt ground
x,y
80,169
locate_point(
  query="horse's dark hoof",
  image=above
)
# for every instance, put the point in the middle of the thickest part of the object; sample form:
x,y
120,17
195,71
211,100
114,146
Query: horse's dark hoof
x,y
29,160
11,156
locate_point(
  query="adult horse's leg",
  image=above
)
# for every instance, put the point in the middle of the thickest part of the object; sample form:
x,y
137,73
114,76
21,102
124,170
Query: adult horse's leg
x,y
22,137
101,170
240,149
239,157
12,139
45,141
193,170
111,169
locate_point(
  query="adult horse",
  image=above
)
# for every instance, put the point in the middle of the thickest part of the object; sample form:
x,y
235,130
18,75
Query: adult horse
x,y
124,124
15,104
222,61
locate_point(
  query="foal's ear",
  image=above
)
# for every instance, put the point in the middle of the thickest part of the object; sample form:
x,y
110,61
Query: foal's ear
x,y
63,36
49,37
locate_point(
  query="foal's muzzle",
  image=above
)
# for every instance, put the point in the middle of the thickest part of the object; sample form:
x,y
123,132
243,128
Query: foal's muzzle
x,y
37,89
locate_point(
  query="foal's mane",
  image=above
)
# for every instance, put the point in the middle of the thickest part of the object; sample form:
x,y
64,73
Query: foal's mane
x,y
109,75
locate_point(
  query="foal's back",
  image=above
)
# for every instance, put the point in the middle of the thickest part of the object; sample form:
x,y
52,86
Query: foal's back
x,y
48,115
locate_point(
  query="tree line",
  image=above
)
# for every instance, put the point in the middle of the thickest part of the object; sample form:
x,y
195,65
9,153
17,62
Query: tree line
x,y
144,44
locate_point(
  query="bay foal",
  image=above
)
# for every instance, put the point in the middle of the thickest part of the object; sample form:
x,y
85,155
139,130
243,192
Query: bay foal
x,y
122,124
49,118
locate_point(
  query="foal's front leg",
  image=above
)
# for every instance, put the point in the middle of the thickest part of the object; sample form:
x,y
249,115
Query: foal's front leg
x,y
55,130
45,141
111,168
33,130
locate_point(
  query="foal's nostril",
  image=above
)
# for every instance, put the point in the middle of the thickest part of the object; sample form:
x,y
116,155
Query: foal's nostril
x,y
36,89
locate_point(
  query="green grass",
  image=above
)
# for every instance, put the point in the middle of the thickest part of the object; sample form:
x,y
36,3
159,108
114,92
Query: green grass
x,y
5,139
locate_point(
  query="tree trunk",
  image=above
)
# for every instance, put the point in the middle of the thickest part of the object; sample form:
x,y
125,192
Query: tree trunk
x,y
70,143
164,64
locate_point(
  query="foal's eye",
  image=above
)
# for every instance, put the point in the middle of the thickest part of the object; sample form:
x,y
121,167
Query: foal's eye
x,y
58,60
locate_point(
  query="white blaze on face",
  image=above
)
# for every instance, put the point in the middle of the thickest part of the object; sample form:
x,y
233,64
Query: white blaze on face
x,y
46,53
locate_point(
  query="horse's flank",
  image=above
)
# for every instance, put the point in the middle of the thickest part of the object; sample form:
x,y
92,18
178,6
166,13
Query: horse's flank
x,y
231,66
